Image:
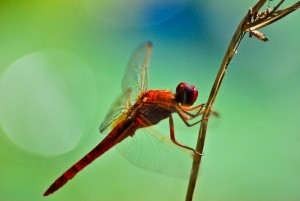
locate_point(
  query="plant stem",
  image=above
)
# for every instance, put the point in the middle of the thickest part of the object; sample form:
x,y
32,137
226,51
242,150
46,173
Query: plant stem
x,y
246,24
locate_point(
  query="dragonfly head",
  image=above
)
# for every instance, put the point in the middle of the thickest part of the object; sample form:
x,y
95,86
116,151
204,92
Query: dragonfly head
x,y
186,94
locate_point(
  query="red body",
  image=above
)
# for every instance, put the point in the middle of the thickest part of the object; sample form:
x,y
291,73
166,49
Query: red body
x,y
152,107
149,108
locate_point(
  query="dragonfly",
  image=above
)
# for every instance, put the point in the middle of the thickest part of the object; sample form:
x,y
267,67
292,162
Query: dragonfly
x,y
139,108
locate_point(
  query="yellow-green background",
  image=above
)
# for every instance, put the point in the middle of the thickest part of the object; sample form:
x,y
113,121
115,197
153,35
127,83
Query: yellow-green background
x,y
252,151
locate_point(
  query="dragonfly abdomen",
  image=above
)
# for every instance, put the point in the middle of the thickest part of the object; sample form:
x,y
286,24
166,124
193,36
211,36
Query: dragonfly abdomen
x,y
119,133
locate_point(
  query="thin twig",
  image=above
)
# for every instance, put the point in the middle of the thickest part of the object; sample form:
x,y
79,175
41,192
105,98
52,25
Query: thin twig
x,y
247,24
273,17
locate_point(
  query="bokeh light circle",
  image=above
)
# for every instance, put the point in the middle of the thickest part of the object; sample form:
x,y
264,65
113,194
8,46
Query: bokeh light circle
x,y
46,101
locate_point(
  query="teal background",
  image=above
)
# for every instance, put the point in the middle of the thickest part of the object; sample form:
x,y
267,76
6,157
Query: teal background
x,y
61,66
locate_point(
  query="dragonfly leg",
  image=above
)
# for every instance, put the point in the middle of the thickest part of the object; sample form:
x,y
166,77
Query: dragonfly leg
x,y
194,107
185,118
186,110
172,137
191,115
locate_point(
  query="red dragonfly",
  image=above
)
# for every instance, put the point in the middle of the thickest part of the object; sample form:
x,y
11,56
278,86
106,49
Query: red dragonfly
x,y
138,108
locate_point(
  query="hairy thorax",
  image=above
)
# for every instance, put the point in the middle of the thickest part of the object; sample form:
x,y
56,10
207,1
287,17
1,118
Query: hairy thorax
x,y
153,106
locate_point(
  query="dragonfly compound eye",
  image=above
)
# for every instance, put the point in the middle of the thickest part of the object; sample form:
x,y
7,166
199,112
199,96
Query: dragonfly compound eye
x,y
186,94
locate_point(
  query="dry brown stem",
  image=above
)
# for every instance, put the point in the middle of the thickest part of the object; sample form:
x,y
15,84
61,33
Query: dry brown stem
x,y
253,20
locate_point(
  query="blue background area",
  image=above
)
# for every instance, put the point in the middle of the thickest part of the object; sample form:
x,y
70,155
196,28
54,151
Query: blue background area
x,y
61,67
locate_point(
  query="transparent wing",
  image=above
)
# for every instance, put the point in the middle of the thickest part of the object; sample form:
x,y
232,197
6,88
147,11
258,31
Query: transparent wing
x,y
154,152
135,80
117,109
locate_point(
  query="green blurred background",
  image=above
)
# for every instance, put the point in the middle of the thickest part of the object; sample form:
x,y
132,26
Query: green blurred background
x,y
61,65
